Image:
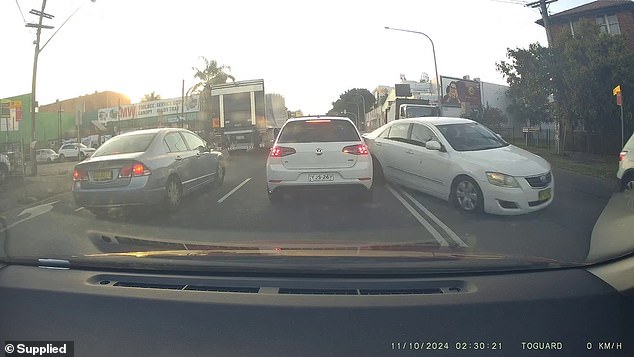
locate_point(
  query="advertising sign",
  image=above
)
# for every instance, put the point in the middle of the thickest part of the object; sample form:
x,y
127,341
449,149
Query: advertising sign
x,y
154,108
457,92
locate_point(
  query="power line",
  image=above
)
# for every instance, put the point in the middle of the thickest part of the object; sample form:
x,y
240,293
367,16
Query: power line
x,y
21,13
514,2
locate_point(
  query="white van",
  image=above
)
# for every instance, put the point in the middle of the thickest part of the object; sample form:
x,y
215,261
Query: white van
x,y
626,166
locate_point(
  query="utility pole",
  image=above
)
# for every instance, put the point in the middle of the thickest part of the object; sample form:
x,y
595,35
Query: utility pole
x,y
541,4
39,27
183,105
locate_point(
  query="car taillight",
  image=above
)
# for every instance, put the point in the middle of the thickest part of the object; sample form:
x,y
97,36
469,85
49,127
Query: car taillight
x,y
279,151
79,175
136,169
622,155
360,149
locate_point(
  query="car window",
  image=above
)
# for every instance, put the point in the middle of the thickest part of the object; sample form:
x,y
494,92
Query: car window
x,y
421,135
470,137
325,130
384,133
125,144
175,142
193,141
399,132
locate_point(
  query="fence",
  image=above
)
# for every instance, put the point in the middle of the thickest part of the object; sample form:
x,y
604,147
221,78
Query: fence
x,y
579,141
545,138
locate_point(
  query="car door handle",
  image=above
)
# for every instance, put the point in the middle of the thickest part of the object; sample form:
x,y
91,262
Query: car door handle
x,y
378,144
409,152
178,158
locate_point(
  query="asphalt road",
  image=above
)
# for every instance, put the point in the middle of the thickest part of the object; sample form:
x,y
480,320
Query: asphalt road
x,y
240,212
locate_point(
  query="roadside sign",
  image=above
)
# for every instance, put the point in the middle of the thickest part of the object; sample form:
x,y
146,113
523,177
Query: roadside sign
x,y
530,129
619,99
616,90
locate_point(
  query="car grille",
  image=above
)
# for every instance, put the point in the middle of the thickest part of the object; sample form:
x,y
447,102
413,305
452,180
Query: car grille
x,y
540,181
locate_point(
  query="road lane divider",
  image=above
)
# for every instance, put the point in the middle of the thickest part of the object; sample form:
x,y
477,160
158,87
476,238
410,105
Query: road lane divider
x,y
31,213
234,190
437,236
436,220
79,209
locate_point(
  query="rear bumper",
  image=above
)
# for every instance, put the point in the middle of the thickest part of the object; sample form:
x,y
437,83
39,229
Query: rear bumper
x,y
132,195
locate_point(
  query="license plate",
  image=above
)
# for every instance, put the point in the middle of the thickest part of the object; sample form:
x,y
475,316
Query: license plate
x,y
103,175
321,177
544,194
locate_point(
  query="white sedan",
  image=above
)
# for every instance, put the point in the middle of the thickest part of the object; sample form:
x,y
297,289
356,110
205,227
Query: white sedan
x,y
319,153
462,161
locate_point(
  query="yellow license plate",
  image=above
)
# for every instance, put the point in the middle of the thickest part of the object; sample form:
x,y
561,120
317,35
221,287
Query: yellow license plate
x,y
103,175
544,194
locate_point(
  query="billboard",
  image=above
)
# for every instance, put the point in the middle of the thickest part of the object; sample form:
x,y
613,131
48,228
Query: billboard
x,y
148,109
460,93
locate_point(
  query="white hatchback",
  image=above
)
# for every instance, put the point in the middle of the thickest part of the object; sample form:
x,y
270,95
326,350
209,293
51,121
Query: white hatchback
x,y
319,153
463,162
625,174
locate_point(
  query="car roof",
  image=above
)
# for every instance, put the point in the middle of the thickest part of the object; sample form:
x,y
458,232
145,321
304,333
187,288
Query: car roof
x,y
151,131
317,118
437,120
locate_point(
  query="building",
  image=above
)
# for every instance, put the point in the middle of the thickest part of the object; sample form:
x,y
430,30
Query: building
x,y
87,103
613,16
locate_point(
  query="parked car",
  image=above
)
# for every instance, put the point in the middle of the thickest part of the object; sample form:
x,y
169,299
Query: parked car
x,y
323,153
5,168
75,151
464,162
146,167
625,174
46,155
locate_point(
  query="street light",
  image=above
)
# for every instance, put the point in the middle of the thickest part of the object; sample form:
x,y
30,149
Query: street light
x,y
358,111
433,51
41,14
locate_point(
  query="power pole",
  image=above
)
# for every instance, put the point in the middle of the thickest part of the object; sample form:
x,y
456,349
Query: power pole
x,y
541,4
39,27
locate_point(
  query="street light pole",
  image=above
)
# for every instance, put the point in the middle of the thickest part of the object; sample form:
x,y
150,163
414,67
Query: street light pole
x,y
358,111
33,82
363,100
433,48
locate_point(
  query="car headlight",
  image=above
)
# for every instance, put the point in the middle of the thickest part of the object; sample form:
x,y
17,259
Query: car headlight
x,y
502,180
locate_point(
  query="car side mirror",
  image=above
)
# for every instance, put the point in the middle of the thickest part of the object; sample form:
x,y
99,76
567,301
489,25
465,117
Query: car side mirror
x,y
433,145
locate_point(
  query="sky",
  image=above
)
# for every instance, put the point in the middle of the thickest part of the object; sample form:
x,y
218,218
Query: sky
x,y
310,52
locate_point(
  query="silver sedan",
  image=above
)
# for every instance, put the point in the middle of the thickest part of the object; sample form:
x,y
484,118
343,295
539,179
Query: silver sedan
x,y
146,167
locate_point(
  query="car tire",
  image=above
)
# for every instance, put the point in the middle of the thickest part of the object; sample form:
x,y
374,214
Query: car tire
x,y
467,195
62,158
220,175
627,182
275,197
173,194
378,177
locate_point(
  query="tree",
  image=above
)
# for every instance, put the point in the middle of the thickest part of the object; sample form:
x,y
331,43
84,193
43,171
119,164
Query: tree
x,y
348,101
493,118
210,74
150,97
580,72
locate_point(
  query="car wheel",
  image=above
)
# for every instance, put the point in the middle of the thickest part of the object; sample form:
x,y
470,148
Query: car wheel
x,y
275,197
627,183
82,156
467,195
377,172
62,158
220,175
3,173
173,194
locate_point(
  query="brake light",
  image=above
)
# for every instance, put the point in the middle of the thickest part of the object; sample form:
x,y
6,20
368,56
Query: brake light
x,y
360,149
80,175
318,121
136,169
622,155
279,151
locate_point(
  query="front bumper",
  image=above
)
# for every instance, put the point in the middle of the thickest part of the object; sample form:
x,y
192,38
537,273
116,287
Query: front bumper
x,y
515,201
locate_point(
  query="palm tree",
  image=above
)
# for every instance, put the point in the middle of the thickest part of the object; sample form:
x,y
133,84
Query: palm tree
x,y
150,97
209,75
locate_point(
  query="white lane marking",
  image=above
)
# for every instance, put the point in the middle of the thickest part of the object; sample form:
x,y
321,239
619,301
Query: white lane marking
x,y
79,209
420,219
234,190
451,233
32,212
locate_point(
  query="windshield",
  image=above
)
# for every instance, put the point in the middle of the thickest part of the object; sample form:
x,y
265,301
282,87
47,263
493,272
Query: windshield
x,y
470,137
125,145
294,132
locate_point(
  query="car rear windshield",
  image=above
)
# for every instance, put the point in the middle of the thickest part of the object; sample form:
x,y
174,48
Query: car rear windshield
x,y
125,144
318,130
470,137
